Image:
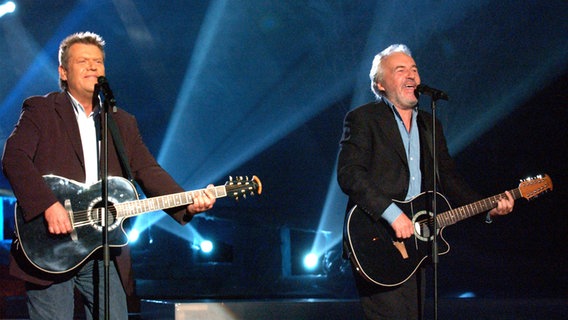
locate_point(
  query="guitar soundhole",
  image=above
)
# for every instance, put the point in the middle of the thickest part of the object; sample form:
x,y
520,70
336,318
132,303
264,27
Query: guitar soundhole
x,y
95,215
423,225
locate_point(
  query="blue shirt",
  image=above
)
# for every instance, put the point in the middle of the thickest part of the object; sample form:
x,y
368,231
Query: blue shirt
x,y
411,141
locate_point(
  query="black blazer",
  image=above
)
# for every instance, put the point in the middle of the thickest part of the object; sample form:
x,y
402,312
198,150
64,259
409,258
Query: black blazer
x,y
372,165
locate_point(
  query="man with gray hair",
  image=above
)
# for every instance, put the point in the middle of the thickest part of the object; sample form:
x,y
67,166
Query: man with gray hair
x,y
385,155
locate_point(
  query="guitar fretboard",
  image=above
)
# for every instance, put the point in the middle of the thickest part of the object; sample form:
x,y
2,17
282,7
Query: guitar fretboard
x,y
455,215
133,208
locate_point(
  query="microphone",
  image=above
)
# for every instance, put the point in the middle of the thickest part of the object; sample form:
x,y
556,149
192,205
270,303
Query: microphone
x,y
434,93
109,97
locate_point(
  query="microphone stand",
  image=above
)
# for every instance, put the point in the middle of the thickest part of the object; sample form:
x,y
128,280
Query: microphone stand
x,y
435,258
435,96
108,103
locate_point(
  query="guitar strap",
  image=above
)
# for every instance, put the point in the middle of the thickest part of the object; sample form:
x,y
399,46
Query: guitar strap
x,y
113,128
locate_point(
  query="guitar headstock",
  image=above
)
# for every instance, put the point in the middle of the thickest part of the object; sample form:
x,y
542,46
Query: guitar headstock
x,y
532,187
243,186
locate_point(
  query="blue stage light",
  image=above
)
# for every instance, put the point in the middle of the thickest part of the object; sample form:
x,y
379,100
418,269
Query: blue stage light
x,y
133,235
206,246
311,261
467,295
7,7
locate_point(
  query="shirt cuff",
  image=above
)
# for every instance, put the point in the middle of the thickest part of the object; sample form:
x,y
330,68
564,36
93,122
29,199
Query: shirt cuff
x,y
488,218
391,213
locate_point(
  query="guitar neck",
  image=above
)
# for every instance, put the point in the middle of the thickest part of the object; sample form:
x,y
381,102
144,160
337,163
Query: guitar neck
x,y
455,215
138,207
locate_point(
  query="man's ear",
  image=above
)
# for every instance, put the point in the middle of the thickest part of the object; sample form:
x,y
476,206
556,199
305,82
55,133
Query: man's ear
x,y
380,86
62,73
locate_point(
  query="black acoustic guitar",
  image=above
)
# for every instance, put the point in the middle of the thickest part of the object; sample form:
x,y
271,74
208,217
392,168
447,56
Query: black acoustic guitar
x,y
62,253
386,261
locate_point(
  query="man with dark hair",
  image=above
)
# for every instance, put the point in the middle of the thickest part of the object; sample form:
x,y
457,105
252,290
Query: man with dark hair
x,y
59,134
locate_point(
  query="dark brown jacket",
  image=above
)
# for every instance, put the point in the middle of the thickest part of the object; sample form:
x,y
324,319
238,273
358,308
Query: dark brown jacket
x,y
46,140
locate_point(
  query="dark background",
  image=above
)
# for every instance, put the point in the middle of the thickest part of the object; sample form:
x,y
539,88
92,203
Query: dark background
x,y
261,87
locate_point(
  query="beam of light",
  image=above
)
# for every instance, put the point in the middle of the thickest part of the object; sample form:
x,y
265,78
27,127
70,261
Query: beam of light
x,y
390,26
8,7
515,94
133,22
186,232
330,228
214,142
41,75
157,219
203,45
242,120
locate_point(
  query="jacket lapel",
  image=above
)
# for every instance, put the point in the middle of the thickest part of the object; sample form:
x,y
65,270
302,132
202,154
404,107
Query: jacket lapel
x,y
64,109
387,124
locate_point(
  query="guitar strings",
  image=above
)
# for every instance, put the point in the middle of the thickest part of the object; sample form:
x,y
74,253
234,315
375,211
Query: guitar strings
x,y
94,215
485,204
85,217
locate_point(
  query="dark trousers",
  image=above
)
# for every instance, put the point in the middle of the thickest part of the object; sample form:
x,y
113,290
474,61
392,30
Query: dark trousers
x,y
404,302
56,302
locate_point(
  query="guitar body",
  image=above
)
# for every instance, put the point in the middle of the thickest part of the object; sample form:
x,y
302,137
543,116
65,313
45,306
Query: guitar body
x,y
58,254
380,258
62,253
376,253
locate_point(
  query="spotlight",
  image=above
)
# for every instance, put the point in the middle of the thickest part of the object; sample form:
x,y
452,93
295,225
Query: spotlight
x,y
214,252
298,256
133,235
7,7
311,261
206,246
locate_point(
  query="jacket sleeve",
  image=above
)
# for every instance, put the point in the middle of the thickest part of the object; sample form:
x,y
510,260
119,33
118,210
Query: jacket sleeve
x,y
20,152
146,171
365,170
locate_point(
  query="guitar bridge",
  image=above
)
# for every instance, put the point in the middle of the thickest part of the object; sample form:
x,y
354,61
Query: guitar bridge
x,y
69,209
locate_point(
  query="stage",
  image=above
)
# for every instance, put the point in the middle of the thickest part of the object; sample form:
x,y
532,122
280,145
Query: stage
x,y
329,309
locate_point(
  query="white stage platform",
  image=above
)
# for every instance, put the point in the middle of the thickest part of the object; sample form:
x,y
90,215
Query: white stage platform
x,y
244,310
